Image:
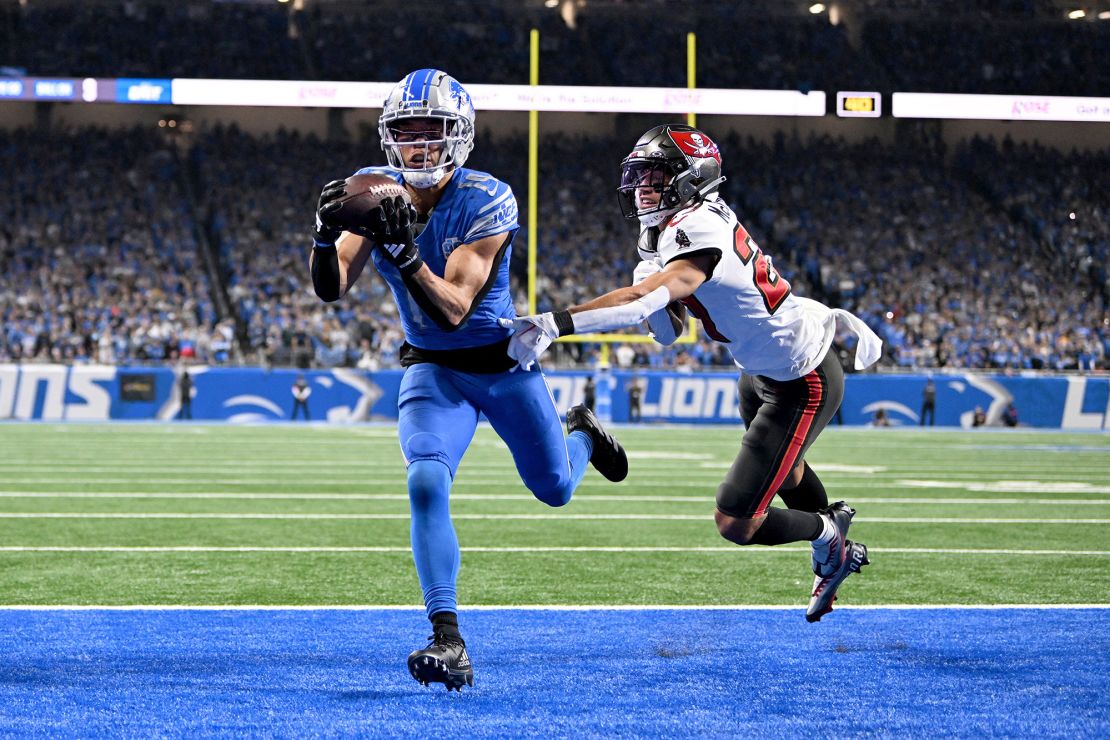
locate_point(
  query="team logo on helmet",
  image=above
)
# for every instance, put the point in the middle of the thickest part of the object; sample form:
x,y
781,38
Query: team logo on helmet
x,y
695,144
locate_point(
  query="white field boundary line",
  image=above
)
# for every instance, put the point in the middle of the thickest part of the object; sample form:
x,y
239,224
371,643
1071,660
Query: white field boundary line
x,y
532,607
528,550
503,517
209,466
582,498
709,486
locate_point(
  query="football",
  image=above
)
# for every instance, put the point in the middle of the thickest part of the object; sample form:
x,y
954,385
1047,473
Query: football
x,y
364,194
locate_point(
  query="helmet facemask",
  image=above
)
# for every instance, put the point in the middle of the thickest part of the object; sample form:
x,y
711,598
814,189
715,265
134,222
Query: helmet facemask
x,y
639,176
448,135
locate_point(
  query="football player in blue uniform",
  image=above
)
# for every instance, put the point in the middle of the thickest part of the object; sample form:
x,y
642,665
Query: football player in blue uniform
x,y
446,260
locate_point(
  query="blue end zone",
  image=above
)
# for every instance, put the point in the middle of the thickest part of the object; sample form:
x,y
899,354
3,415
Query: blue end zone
x,y
768,673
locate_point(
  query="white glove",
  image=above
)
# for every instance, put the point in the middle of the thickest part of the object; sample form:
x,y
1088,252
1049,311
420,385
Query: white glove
x,y
532,335
644,270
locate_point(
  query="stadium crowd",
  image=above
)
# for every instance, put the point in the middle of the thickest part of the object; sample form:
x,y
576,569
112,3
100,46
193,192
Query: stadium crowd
x,y
997,260
98,257
1027,47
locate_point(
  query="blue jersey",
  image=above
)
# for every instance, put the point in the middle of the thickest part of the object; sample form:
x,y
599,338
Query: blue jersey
x,y
473,205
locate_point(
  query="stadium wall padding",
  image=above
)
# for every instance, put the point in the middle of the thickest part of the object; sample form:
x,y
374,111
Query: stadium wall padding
x,y
238,395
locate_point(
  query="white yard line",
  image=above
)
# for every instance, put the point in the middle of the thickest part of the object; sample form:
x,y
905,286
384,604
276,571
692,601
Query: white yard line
x,y
536,550
499,517
512,481
580,498
1007,486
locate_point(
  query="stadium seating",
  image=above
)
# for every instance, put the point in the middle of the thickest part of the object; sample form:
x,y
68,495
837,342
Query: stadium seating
x,y
939,47
952,266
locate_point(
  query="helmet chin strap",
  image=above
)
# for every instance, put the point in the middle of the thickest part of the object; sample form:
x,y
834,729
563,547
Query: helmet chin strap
x,y
424,179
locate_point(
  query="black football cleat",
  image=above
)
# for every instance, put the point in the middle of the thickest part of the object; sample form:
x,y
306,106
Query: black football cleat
x,y
825,587
608,456
444,661
828,556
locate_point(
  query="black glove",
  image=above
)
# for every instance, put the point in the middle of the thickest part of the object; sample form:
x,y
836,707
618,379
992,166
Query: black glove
x,y
325,234
391,230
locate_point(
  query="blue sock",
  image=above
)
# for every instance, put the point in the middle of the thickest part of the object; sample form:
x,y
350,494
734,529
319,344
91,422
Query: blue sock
x,y
435,548
580,446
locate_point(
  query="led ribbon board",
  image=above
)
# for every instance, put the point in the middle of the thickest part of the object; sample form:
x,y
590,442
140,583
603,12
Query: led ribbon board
x,y
675,101
1001,107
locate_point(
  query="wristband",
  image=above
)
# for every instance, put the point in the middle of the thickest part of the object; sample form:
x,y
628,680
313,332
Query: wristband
x,y
563,322
411,266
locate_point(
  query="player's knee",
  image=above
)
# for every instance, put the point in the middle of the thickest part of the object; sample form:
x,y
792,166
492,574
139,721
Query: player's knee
x,y
429,481
794,479
739,530
553,490
424,445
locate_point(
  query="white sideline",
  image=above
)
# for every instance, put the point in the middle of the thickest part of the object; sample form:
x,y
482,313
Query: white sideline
x,y
535,607
730,549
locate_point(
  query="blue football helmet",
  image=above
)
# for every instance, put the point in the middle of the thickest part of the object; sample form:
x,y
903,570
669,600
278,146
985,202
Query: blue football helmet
x,y
428,94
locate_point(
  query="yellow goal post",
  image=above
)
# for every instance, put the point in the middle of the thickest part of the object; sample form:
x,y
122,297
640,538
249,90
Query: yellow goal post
x,y
690,336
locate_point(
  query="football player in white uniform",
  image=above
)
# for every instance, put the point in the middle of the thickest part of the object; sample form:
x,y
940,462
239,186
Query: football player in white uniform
x,y
695,255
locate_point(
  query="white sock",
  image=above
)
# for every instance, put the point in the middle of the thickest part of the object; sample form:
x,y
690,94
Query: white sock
x,y
828,531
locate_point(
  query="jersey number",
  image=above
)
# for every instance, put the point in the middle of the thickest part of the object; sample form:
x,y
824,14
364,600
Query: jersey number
x,y
486,183
773,287
702,313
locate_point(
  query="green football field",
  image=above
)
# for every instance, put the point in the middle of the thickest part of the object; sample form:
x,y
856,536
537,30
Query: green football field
x,y
301,514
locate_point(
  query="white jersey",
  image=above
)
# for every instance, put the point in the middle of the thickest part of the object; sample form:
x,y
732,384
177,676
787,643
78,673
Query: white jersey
x,y
745,304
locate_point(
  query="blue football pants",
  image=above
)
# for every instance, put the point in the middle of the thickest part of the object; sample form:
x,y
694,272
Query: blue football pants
x,y
438,413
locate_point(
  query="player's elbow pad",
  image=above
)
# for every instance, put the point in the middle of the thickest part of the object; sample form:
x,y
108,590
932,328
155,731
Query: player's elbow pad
x,y
325,273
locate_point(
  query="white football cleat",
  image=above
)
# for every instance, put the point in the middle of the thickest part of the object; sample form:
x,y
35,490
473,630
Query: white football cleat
x,y
828,556
825,587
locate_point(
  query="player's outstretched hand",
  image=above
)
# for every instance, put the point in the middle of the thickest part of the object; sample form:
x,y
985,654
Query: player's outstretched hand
x,y
532,335
390,227
325,234
644,270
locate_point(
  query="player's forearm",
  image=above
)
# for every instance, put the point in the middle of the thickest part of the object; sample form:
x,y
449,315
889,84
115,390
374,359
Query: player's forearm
x,y
618,297
327,276
334,269
614,313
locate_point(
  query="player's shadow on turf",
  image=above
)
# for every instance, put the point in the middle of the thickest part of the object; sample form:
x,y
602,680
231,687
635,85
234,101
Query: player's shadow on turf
x,y
376,694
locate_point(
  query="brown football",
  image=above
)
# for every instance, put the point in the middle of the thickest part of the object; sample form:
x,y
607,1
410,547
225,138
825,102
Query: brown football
x,y
364,194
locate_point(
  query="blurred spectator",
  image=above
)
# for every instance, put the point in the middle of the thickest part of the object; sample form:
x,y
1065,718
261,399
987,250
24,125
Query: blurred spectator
x,y
185,391
301,391
635,396
929,402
